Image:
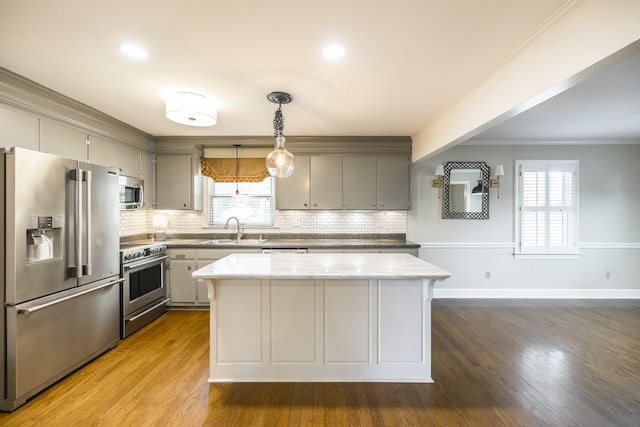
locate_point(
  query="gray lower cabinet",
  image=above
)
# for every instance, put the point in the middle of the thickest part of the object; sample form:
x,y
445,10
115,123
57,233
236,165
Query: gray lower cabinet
x,y
184,290
182,264
178,182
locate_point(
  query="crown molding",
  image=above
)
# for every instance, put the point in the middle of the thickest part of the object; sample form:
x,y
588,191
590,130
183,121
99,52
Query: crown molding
x,y
29,97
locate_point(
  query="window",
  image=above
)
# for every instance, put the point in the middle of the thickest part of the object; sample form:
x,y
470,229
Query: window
x,y
547,214
254,207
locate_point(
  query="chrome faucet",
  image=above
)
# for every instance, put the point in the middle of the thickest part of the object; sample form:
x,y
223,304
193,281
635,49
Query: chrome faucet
x,y
240,230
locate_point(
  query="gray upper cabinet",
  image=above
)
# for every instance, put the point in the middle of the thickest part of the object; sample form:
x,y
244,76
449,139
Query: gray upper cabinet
x,y
178,182
393,182
359,182
293,192
146,173
19,129
346,182
376,182
316,183
107,153
63,140
325,189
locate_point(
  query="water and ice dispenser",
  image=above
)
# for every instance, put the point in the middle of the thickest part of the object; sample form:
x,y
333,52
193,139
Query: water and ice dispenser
x,y
44,238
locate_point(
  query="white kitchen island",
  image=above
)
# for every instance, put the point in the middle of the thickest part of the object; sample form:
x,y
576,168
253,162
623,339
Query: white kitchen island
x,y
320,317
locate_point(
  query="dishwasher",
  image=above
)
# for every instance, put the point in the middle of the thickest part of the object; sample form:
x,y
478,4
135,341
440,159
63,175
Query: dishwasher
x,y
285,250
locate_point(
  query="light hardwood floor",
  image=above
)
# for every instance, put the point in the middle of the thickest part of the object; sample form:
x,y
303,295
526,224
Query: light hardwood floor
x,y
495,363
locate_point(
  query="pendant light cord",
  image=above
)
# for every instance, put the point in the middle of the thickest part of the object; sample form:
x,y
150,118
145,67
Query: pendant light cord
x,y
237,190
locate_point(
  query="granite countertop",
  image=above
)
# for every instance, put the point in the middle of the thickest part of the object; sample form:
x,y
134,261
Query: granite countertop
x,y
281,242
321,266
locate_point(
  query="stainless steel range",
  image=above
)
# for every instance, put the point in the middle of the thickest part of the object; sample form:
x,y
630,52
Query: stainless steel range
x,y
144,294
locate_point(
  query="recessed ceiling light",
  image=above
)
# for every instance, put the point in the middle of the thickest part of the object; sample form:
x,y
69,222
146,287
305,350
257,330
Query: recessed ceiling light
x,y
333,51
133,51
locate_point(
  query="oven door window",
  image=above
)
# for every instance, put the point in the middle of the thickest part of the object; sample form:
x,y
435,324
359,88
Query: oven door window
x,y
144,281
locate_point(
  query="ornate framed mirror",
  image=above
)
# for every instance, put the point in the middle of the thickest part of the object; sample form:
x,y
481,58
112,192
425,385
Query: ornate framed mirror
x,y
466,190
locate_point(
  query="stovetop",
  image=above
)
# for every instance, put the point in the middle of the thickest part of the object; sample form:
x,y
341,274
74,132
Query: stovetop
x,y
136,250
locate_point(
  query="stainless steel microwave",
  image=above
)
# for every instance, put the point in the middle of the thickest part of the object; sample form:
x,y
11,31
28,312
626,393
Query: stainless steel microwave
x,y
131,192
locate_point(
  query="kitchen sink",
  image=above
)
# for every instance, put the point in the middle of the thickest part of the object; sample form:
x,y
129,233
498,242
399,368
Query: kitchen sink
x,y
233,242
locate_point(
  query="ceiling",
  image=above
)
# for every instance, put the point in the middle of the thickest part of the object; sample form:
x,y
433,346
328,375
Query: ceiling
x,y
406,62
605,107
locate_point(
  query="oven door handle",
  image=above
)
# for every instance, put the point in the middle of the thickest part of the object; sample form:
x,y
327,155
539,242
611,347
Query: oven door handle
x,y
145,262
161,303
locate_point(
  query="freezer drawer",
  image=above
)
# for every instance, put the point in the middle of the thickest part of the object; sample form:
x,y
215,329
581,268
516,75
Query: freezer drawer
x,y
50,337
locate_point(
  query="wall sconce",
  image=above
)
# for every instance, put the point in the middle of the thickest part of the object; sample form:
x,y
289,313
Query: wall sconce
x,y
495,183
160,223
437,183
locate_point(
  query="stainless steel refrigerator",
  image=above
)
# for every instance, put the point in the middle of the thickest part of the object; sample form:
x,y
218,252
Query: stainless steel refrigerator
x,y
60,275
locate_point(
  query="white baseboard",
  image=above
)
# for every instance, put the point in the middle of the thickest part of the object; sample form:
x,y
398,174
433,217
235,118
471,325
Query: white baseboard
x,y
538,293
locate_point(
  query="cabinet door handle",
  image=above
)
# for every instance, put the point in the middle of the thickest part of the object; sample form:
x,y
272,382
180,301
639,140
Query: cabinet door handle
x,y
181,256
189,267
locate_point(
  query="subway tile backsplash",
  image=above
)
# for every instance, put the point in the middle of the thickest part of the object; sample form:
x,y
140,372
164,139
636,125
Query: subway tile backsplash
x,y
354,222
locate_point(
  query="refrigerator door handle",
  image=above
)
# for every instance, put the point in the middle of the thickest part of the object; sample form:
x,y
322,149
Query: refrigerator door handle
x,y
35,308
76,269
87,268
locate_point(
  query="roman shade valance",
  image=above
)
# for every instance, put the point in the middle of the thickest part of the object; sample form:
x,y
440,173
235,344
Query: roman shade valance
x,y
224,170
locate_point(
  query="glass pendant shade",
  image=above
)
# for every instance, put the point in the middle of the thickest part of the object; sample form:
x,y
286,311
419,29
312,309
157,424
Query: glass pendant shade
x,y
280,162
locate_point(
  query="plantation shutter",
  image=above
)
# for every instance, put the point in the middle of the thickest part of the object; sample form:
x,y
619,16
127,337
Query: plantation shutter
x,y
548,207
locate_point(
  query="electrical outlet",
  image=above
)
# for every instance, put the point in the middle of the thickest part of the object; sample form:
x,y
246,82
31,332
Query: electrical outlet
x,y
487,275
607,275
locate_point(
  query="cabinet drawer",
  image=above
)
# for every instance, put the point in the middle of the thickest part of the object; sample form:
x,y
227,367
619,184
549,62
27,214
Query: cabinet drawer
x,y
181,253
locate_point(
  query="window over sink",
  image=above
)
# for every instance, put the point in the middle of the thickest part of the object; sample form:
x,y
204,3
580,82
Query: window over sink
x,y
254,206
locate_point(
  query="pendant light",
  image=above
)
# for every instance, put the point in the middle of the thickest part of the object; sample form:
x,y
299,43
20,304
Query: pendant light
x,y
280,162
237,196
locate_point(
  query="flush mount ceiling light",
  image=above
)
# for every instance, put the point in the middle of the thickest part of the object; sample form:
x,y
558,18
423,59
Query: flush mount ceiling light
x,y
191,109
280,162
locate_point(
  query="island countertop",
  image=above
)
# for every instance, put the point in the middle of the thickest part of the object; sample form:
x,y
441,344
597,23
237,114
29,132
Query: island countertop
x,y
321,266
320,317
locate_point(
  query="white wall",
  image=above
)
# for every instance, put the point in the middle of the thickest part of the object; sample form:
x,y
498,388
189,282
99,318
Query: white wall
x,y
609,227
